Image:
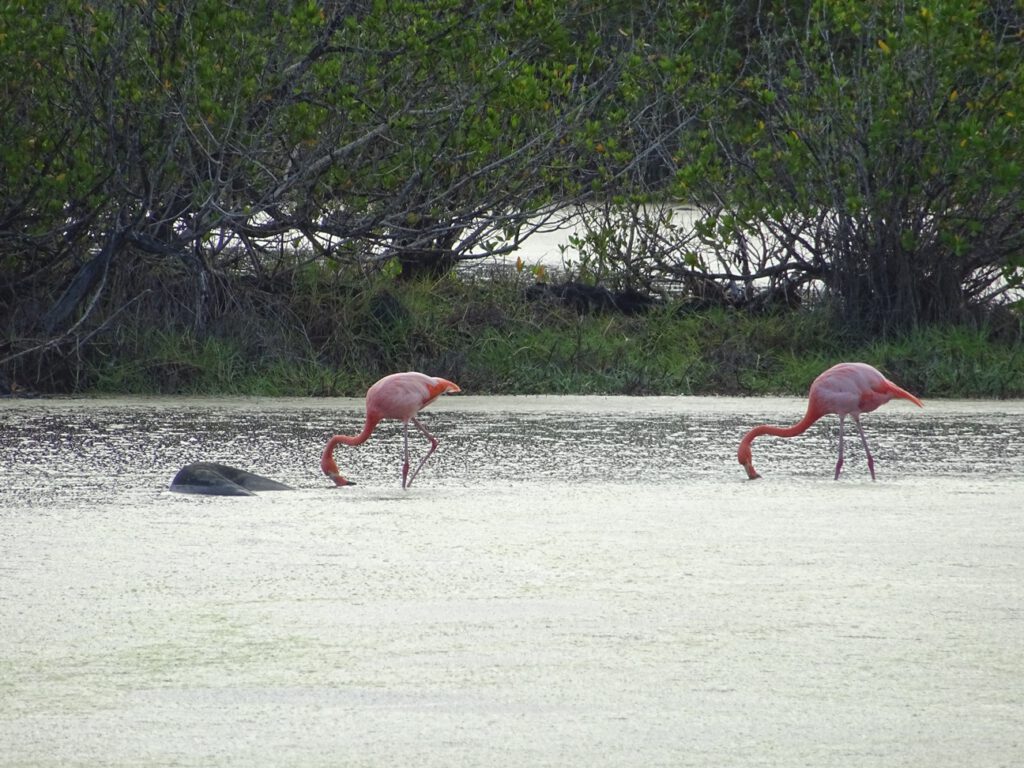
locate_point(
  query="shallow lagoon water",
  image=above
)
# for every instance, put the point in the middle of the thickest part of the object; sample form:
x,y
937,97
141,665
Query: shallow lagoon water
x,y
571,581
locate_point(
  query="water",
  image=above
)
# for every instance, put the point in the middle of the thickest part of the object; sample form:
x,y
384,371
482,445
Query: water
x,y
571,581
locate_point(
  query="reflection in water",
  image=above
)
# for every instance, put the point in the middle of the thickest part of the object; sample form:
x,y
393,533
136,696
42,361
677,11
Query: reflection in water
x,y
99,447
577,581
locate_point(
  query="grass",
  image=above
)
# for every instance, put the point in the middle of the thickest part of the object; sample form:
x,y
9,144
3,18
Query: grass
x,y
483,334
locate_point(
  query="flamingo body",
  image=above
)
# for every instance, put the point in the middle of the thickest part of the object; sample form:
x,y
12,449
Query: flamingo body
x,y
846,389
397,396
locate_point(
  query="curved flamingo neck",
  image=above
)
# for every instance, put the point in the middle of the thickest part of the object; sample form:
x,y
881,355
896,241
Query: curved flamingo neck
x,y
744,453
362,437
327,463
792,431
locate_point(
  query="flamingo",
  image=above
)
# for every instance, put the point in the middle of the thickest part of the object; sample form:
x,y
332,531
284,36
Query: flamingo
x,y
398,396
846,389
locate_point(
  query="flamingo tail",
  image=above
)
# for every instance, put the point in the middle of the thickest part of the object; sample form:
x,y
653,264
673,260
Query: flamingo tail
x,y
897,391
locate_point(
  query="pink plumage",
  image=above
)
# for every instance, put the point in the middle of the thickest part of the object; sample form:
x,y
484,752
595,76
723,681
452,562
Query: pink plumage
x,y
397,396
846,389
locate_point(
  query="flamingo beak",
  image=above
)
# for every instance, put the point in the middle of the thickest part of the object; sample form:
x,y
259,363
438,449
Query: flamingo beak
x,y
331,470
751,472
339,480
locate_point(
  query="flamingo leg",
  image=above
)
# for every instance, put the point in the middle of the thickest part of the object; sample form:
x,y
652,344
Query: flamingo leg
x,y
433,447
839,463
864,440
405,455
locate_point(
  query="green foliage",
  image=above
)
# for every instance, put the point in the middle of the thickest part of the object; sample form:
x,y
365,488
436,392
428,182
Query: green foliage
x,y
880,147
485,335
198,129
951,361
316,170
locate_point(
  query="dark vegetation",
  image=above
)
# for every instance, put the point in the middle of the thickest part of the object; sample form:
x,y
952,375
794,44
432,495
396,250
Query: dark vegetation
x,y
290,198
501,333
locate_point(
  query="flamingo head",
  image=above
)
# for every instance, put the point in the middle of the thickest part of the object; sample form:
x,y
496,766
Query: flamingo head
x,y
330,468
745,458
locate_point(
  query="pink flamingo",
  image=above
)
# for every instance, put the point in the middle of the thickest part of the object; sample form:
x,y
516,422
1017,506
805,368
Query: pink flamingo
x,y
846,389
398,396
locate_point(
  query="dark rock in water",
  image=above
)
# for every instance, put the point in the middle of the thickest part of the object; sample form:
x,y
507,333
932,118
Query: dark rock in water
x,y
221,480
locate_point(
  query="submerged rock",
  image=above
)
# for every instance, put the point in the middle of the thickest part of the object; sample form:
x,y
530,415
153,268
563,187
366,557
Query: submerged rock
x,y
214,479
